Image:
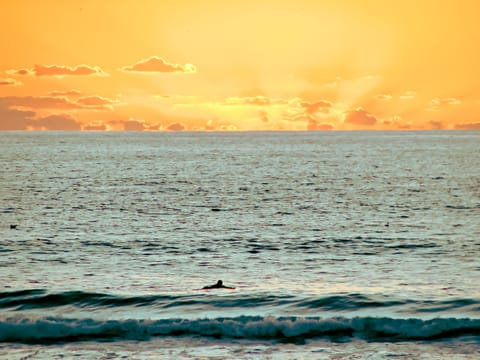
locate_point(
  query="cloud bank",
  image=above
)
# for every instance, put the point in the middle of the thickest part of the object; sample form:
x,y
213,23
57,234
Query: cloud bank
x,y
13,119
96,102
60,70
57,102
468,126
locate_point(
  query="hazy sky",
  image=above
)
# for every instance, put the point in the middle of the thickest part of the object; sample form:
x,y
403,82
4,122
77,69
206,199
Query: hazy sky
x,y
239,65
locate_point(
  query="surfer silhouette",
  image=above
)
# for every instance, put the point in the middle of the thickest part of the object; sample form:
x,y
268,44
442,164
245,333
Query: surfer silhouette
x,y
218,285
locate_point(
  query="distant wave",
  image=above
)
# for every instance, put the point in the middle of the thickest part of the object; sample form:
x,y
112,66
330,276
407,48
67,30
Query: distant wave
x,y
342,317
282,329
41,299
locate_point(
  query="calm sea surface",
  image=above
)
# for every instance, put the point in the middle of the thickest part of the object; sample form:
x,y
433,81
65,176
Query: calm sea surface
x,y
339,244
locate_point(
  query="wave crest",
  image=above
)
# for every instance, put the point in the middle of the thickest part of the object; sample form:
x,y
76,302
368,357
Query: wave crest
x,y
283,329
41,299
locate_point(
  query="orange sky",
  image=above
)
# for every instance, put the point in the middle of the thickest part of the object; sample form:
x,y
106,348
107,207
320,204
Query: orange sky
x,y
239,65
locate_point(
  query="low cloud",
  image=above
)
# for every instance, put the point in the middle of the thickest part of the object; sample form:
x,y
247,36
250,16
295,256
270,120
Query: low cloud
x,y
315,107
57,122
90,127
133,125
60,70
468,126
14,119
436,125
57,102
315,125
218,125
38,102
158,64
125,124
360,117
176,127
308,111
9,82
97,102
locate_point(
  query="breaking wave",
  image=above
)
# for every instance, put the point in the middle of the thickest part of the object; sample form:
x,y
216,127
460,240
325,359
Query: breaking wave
x,y
281,329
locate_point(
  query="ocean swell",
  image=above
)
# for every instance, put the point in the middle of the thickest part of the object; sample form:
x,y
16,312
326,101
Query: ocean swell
x,y
282,329
41,299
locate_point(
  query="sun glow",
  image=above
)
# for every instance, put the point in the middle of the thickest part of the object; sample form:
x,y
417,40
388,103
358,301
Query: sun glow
x,y
250,65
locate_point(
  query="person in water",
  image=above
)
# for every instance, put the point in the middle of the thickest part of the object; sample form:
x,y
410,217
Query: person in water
x,y
218,285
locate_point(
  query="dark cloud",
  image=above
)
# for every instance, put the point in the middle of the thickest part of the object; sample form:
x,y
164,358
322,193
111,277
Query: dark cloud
x,y
468,126
38,102
95,127
20,72
309,111
133,125
61,70
58,122
360,117
315,125
9,82
315,107
57,102
13,119
437,125
157,64
176,127
264,116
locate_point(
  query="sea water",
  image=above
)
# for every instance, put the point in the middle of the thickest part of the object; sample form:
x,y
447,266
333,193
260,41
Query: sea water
x,y
352,245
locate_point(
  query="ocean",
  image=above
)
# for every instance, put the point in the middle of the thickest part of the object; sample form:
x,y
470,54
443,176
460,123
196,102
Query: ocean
x,y
340,245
